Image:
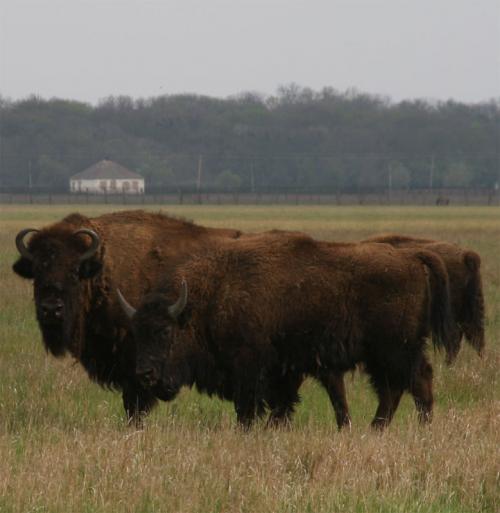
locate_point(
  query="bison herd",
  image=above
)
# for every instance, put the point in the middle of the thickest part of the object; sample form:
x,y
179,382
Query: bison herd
x,y
148,303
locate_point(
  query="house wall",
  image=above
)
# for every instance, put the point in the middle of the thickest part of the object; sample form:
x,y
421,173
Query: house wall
x,y
108,186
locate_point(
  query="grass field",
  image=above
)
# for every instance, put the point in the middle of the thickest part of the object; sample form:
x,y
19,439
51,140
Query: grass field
x,y
64,446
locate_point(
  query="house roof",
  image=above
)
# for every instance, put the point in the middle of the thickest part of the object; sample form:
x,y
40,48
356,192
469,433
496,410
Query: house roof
x,y
105,169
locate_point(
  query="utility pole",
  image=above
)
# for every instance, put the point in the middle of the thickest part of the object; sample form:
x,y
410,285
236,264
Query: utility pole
x,y
29,175
252,177
198,181
390,181
431,175
200,171
30,182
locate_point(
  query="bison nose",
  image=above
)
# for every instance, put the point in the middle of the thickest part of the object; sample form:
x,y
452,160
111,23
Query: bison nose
x,y
148,377
52,309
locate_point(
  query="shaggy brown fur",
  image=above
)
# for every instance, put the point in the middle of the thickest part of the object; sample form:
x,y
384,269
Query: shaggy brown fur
x,y
136,248
263,311
467,310
466,289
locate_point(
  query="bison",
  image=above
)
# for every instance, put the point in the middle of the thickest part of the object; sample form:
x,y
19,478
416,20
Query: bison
x,y
467,309
467,305
247,319
75,265
466,289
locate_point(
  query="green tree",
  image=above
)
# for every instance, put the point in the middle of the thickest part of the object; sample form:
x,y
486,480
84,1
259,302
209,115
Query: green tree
x,y
52,173
287,140
228,180
400,175
458,174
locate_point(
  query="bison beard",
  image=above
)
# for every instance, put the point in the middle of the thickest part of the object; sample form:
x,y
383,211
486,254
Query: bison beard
x,y
266,311
65,337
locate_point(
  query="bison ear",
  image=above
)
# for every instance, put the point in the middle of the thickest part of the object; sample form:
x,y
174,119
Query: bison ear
x,y
24,268
89,268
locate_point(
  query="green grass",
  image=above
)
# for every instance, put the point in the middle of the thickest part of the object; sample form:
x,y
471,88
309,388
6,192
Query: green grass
x,y
64,445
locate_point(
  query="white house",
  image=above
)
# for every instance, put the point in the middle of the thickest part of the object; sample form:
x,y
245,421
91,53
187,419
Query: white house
x,y
107,177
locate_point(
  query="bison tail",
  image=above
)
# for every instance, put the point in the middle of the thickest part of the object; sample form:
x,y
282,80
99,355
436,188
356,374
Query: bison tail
x,y
444,331
473,313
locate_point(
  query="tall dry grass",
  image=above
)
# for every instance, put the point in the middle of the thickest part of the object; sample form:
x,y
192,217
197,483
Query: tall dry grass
x,y
178,465
64,446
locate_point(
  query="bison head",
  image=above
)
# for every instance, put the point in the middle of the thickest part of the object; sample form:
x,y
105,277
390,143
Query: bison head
x,y
60,261
161,365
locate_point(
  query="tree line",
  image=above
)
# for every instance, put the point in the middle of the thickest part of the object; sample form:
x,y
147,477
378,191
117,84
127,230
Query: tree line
x,y
296,139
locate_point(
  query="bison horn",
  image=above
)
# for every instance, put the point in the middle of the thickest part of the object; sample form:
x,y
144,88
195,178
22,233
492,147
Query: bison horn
x,y
176,309
96,241
21,246
126,306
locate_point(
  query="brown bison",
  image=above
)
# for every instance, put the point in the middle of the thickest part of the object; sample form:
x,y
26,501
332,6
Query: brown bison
x,y
76,264
249,318
467,304
466,289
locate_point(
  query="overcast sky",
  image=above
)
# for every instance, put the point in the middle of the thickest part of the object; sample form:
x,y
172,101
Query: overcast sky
x,y
89,49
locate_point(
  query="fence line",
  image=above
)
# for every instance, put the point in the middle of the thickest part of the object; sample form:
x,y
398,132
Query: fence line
x,y
364,197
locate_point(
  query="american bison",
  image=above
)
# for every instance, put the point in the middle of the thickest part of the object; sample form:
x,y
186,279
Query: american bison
x,y
466,289
249,318
467,304
76,264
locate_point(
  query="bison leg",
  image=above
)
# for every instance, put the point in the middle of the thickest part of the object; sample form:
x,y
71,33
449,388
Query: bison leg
x,y
282,396
246,402
335,386
388,401
249,381
246,407
137,403
421,389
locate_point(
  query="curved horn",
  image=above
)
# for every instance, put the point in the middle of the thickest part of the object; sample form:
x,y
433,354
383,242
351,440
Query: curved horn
x,y
176,309
126,306
96,241
21,246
